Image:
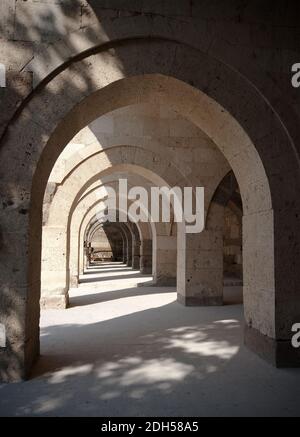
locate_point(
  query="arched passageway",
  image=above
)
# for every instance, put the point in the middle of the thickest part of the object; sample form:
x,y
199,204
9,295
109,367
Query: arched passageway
x,y
217,118
112,317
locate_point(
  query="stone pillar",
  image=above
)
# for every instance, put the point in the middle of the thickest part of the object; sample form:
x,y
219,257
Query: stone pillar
x,y
259,294
129,253
146,257
200,263
136,254
200,269
77,253
19,298
73,261
82,258
74,280
164,272
54,274
124,257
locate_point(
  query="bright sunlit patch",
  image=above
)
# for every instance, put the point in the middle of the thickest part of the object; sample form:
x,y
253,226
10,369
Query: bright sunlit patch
x,y
135,370
156,370
124,306
226,322
194,336
219,349
47,405
211,369
61,375
110,395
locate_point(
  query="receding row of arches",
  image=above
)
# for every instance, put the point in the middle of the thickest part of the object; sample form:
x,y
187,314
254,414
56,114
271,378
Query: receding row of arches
x,y
152,126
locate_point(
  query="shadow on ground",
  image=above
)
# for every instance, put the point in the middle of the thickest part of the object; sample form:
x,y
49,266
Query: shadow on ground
x,y
125,351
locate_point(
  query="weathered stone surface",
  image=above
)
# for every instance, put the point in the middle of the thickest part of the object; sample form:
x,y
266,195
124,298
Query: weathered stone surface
x,y
223,87
46,21
18,86
7,17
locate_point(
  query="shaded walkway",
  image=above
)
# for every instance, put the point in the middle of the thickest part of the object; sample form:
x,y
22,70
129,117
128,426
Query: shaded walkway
x,y
125,350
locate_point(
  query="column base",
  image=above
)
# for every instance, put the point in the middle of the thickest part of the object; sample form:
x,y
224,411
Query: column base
x,y
190,301
136,263
55,301
279,353
146,270
74,281
165,282
12,366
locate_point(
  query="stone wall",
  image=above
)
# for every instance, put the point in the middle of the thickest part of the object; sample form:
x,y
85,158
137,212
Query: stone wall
x,y
232,241
225,67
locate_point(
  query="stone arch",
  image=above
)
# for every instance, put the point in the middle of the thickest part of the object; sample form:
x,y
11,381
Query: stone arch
x,y
188,35
229,133
63,204
89,223
93,225
111,248
158,252
87,201
115,237
158,228
227,198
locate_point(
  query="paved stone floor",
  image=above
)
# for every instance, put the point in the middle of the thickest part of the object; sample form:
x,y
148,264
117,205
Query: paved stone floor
x,y
123,349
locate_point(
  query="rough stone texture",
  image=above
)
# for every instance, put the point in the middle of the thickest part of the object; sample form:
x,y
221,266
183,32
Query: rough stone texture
x,y
146,257
7,16
18,86
165,260
242,101
46,21
136,256
148,126
232,244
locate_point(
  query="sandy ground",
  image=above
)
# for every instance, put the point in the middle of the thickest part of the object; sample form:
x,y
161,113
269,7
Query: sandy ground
x,y
127,350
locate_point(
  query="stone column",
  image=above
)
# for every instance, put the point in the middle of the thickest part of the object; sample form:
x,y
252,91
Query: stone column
x,y
146,257
74,280
54,274
136,254
74,260
82,258
164,272
124,257
200,263
129,252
